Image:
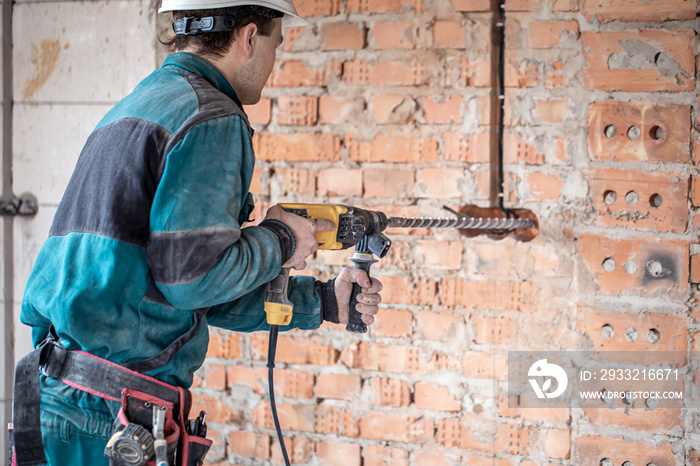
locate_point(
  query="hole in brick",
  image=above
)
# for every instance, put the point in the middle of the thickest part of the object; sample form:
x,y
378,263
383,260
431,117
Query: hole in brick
x,y
607,331
653,335
632,197
610,131
656,132
609,264
628,463
606,462
656,200
655,268
631,267
610,197
633,133
631,334
651,464
628,399
652,402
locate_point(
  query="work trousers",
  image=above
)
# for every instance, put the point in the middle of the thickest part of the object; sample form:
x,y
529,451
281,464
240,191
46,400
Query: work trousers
x,y
75,425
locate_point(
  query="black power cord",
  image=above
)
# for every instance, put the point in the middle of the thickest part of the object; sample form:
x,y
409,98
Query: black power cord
x,y
271,349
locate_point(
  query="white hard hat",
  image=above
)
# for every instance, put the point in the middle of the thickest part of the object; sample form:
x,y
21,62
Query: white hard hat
x,y
290,19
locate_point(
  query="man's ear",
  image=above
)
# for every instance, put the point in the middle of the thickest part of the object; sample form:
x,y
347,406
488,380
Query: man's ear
x,y
247,39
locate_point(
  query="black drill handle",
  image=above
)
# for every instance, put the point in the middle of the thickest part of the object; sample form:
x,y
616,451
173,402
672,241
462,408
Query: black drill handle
x,y
355,323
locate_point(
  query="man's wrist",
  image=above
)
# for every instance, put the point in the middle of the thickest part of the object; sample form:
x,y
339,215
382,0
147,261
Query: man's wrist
x,y
288,242
329,303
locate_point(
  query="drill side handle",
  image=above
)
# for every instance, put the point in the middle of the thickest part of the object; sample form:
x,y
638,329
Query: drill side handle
x,y
355,323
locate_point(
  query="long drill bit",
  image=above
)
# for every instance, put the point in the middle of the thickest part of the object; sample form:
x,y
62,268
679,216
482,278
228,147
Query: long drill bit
x,y
461,222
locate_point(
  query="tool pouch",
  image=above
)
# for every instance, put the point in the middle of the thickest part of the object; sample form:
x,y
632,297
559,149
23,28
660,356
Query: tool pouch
x,y
131,443
192,449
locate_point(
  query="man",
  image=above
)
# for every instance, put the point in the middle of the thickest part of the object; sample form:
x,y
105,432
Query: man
x,y
147,246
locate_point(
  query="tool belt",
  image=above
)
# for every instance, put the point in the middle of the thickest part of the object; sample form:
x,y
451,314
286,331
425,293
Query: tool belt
x,y
145,402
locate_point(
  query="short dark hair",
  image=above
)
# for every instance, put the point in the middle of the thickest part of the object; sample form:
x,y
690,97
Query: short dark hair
x,y
218,43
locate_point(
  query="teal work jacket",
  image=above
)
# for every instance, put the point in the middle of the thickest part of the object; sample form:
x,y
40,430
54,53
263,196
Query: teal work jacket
x,y
147,246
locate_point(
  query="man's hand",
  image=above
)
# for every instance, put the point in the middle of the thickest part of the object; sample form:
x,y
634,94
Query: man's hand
x,y
367,301
304,231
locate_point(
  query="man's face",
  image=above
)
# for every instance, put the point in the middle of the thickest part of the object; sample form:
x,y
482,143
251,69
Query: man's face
x,y
260,67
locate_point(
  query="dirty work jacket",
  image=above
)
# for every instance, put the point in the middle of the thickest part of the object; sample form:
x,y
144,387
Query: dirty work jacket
x,y
146,247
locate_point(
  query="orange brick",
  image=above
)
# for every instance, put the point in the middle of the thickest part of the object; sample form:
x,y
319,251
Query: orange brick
x,y
216,377
393,109
403,290
695,268
640,67
294,350
254,378
392,183
315,8
297,110
649,131
261,112
448,34
390,392
390,358
299,450
663,420
408,72
552,110
653,332
394,35
492,330
558,444
339,454
256,186
337,386
648,200
339,182
442,254
384,6
291,416
548,34
555,75
471,5
375,455
436,325
216,409
485,365
634,10
590,451
439,183
295,73
446,111
295,180
296,147
508,438
470,72
435,397
249,444
388,148
652,264
544,187
291,383
393,323
522,296
342,35
337,109
224,344
474,148
516,149
396,427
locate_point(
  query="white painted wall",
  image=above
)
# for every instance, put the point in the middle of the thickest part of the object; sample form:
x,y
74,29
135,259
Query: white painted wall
x,y
71,62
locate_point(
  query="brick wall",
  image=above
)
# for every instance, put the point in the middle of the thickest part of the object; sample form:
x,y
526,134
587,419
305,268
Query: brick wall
x,y
388,104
